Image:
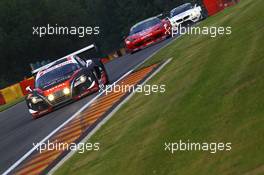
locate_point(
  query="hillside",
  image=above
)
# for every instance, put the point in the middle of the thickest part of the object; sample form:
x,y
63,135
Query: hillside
x,y
214,93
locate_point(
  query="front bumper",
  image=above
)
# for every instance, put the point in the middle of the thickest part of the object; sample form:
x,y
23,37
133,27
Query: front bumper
x,y
60,99
181,21
139,45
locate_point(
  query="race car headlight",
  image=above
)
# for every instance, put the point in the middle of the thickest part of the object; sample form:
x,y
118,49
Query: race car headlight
x,y
35,100
66,91
80,80
51,97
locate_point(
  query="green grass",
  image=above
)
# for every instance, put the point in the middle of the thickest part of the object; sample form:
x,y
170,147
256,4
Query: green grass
x,y
214,93
9,105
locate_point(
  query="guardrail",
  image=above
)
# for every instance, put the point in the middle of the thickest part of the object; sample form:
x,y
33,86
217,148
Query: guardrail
x,y
11,93
16,91
2,100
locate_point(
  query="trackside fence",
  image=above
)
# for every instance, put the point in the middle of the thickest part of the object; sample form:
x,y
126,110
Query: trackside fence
x,y
16,91
12,93
2,100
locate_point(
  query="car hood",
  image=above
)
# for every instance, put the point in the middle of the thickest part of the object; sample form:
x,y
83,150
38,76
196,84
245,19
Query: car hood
x,y
181,15
59,84
56,82
145,32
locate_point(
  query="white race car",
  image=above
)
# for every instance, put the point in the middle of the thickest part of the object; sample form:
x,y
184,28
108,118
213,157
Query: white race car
x,y
185,13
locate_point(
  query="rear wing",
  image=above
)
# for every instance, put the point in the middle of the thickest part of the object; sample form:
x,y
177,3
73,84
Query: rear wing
x,y
92,46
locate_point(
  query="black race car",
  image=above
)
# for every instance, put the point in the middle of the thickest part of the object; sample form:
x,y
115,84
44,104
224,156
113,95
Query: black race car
x,y
65,80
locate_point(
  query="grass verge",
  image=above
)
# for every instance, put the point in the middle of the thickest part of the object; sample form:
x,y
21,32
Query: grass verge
x,y
214,93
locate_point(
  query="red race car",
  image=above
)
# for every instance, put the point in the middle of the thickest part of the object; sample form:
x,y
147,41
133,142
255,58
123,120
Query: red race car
x,y
147,32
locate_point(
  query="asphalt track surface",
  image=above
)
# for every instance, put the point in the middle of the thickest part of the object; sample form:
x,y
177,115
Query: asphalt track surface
x,y
18,131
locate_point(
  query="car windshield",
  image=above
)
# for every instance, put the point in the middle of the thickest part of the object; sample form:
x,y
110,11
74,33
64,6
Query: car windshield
x,y
144,25
57,75
180,9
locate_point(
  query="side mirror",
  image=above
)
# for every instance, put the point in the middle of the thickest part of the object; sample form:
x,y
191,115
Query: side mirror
x,y
88,63
28,88
195,5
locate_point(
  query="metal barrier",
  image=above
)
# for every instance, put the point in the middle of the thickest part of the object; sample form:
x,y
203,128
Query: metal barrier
x,y
214,6
12,93
2,99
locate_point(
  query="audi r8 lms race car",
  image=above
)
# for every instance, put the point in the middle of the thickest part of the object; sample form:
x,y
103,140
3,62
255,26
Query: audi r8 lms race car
x,y
65,80
147,32
185,13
